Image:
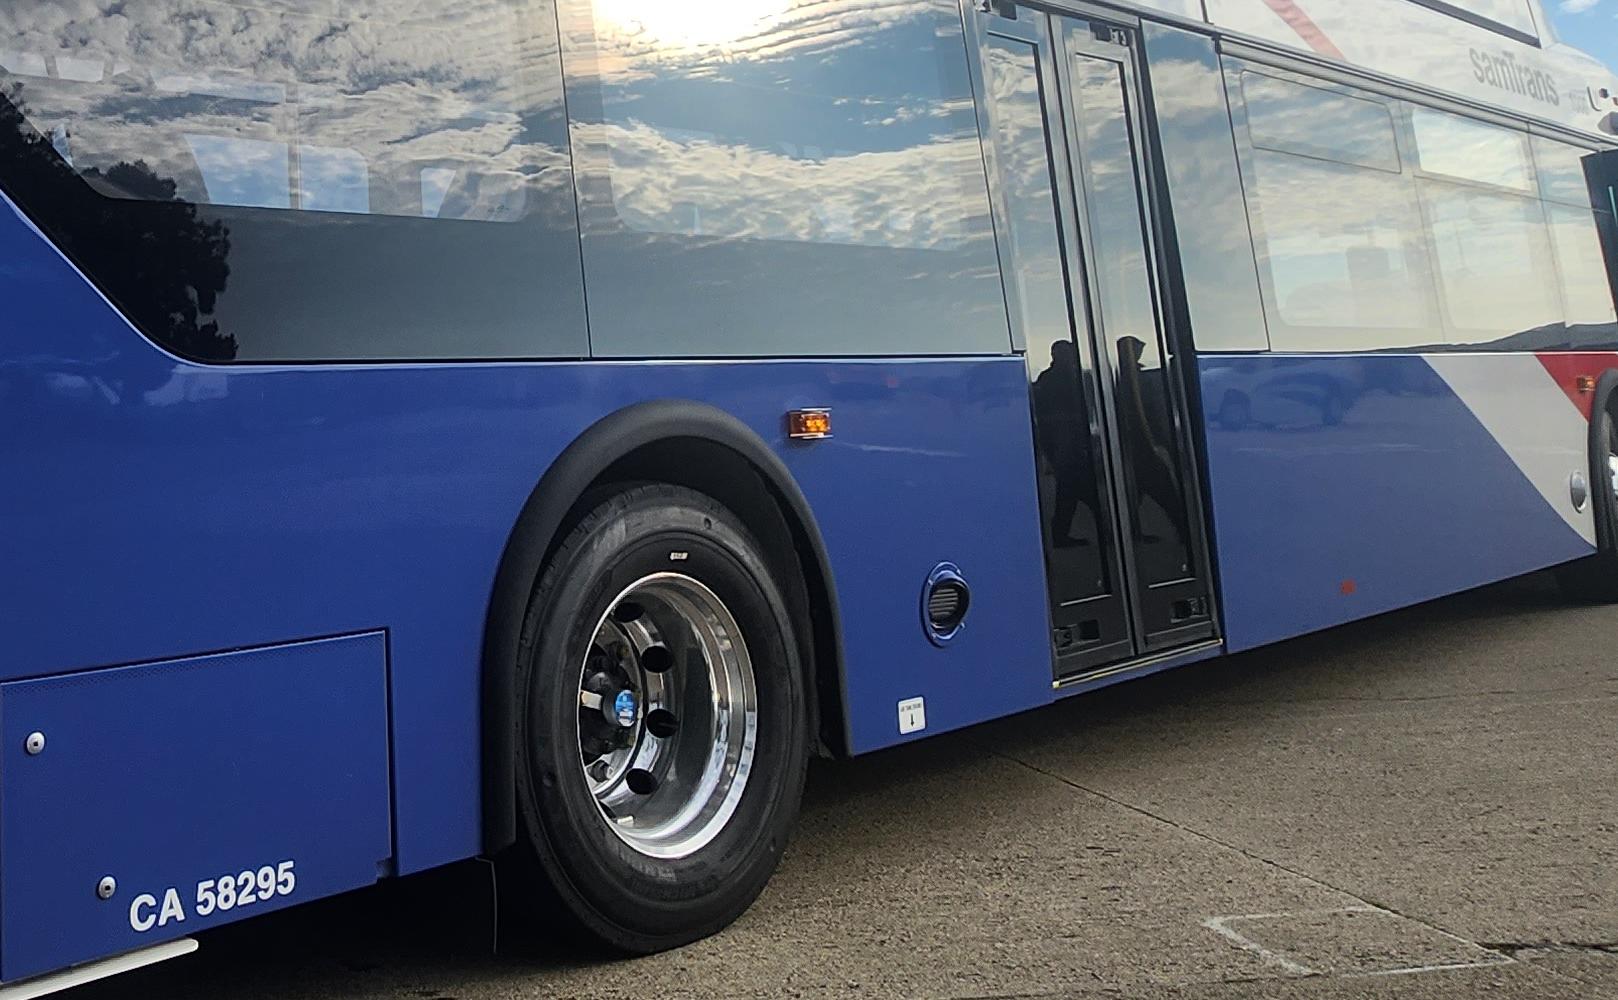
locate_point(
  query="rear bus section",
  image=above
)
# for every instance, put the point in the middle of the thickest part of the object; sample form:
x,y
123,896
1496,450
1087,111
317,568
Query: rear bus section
x,y
1435,285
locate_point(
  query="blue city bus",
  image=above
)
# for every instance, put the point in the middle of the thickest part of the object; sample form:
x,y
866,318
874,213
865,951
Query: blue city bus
x,y
533,429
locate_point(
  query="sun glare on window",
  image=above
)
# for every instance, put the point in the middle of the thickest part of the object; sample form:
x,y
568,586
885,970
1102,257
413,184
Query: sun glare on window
x,y
689,25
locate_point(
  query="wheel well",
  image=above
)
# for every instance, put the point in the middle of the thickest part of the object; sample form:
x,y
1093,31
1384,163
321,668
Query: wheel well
x,y
1605,398
683,444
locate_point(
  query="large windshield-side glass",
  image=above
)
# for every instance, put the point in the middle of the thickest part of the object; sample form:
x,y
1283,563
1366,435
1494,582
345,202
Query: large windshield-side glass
x,y
301,179
781,177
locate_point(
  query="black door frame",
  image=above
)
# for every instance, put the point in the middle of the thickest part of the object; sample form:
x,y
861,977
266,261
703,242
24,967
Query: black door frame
x,y
1118,39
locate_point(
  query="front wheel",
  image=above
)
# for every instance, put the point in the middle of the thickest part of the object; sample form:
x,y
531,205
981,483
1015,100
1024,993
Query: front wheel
x,y
663,740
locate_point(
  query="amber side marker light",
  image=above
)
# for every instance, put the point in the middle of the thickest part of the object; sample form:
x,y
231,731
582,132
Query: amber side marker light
x,y
809,425
1586,383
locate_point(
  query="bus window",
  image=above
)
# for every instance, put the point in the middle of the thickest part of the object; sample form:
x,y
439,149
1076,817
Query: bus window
x,y
1462,251
1577,216
1451,146
368,180
250,173
1494,262
1586,289
1562,176
739,160
1343,249
1205,186
336,180
1336,226
1288,117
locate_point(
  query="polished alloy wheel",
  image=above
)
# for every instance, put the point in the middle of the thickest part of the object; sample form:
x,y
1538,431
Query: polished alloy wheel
x,y
668,716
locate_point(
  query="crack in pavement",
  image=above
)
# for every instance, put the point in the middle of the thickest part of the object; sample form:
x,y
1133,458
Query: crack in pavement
x,y
1538,955
1603,947
1513,948
1416,699
1200,834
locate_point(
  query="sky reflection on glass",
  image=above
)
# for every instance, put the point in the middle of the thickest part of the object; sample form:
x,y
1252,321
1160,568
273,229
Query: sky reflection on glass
x,y
807,147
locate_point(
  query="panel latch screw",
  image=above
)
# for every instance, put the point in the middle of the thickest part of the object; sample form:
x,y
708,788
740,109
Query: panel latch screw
x,y
106,887
34,744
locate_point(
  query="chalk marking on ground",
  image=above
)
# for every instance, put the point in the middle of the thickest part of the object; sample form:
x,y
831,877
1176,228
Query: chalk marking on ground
x,y
1218,926
1279,959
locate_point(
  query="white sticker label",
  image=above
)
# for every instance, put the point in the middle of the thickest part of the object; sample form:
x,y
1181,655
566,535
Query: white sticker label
x,y
912,715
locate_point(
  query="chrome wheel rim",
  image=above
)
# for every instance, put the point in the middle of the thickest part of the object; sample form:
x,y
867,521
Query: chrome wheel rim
x,y
668,715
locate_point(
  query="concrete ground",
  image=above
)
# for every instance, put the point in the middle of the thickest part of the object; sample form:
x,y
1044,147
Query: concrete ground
x,y
1422,805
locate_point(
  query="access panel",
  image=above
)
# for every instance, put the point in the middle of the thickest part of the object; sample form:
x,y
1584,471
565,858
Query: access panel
x,y
142,804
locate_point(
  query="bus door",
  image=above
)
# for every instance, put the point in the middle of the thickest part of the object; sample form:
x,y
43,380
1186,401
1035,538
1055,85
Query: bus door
x,y
1126,557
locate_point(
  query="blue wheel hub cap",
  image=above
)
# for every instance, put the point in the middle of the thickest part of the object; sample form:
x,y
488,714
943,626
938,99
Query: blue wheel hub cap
x,y
625,709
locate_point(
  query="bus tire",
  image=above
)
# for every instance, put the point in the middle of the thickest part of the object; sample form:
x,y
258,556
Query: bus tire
x,y
1594,580
663,728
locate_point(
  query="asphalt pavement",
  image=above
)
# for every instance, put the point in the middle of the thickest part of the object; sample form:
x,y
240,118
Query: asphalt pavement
x,y
1420,805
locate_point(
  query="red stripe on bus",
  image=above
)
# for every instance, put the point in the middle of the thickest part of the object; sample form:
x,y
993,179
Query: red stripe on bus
x,y
1566,369
1306,27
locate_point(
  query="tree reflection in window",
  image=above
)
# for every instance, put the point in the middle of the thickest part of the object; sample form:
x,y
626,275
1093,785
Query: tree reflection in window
x,y
159,260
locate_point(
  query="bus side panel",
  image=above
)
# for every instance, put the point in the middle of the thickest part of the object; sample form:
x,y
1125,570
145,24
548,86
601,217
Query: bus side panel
x,y
1344,486
206,789
156,509
938,466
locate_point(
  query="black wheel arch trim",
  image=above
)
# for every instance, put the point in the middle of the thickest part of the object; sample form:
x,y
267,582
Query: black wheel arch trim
x,y
1606,392
563,484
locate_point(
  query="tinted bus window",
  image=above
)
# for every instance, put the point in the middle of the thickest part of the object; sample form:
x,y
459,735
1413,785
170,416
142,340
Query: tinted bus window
x,y
1287,117
1463,149
1494,262
1586,288
1342,248
1455,249
1337,229
1561,173
1577,218
1496,274
782,177
303,179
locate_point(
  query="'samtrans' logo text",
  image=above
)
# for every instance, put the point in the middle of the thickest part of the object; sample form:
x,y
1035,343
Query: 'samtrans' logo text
x,y
1503,71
